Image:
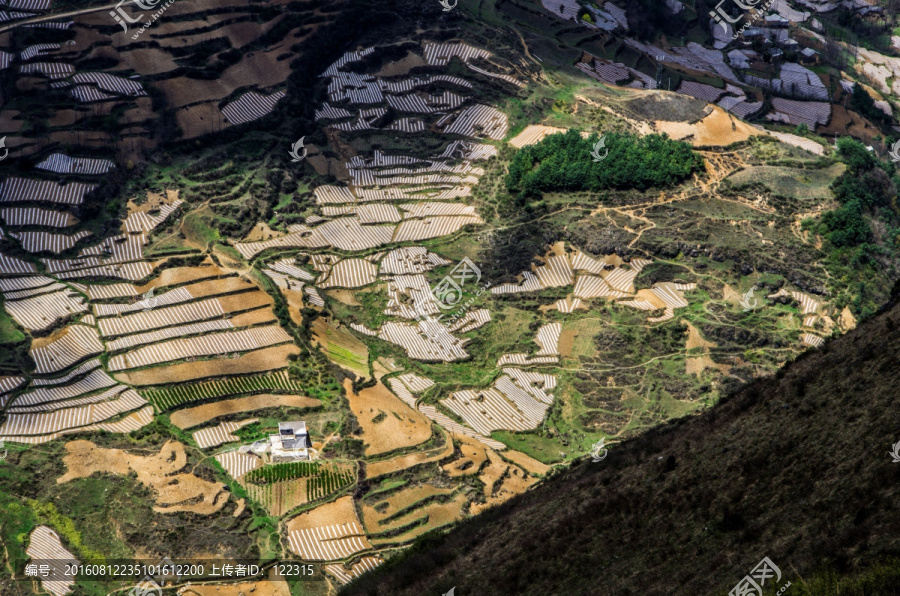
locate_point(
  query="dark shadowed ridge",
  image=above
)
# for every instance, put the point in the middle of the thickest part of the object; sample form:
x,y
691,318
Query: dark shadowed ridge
x,y
794,467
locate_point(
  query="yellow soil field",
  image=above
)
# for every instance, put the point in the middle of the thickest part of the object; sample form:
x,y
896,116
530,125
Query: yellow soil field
x,y
731,295
719,128
696,365
342,347
197,415
254,317
295,304
472,456
182,275
64,118
387,422
375,469
257,361
344,297
262,231
439,514
174,492
214,287
694,339
200,119
339,511
151,201
245,301
502,482
402,66
273,586
397,502
148,61
531,465
847,320
566,342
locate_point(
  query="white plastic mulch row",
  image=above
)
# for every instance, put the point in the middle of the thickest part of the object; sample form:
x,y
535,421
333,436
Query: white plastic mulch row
x,y
476,121
455,427
77,343
35,216
96,398
251,106
79,370
45,548
12,265
345,576
61,163
45,423
144,222
329,543
46,241
130,423
207,345
174,296
345,233
26,189
428,341
410,260
110,291
238,464
139,339
41,312
350,273
413,230
220,434
180,314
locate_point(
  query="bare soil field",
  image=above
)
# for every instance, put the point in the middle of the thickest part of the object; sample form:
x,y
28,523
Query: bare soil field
x,y
375,469
718,129
344,297
200,119
174,492
339,511
257,361
198,415
373,514
472,456
439,514
387,422
528,463
181,275
502,481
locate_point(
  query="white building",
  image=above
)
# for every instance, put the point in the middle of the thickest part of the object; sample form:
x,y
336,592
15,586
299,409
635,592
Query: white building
x,y
291,443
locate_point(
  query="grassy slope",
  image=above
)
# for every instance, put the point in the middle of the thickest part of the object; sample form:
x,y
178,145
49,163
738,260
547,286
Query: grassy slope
x,y
794,467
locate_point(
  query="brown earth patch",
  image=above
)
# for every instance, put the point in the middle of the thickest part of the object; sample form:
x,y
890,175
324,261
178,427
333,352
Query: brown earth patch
x,y
339,511
437,514
387,422
344,297
198,415
566,341
403,462
261,231
472,456
174,492
531,465
694,339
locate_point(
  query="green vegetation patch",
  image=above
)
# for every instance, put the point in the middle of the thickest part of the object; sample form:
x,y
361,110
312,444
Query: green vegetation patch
x,y
567,162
